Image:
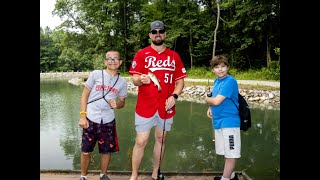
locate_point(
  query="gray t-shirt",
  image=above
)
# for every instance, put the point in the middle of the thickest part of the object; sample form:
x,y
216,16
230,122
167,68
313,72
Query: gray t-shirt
x,y
98,109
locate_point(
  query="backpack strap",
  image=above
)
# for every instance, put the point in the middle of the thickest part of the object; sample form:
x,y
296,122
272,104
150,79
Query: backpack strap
x,y
104,95
235,103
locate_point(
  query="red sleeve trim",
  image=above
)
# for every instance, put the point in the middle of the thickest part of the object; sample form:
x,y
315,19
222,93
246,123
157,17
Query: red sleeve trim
x,y
134,72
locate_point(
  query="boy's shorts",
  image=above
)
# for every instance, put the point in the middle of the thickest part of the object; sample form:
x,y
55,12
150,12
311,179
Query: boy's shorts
x,y
145,124
228,142
105,134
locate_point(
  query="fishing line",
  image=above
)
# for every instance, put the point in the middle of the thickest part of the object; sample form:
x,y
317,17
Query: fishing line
x,y
160,175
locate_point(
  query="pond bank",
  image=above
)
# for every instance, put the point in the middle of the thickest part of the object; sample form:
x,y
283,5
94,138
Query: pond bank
x,y
195,93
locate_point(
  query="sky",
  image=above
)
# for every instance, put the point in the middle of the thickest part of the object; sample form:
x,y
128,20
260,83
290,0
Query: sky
x,y
46,18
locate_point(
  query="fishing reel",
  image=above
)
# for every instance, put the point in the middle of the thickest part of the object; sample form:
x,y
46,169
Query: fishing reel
x,y
209,93
160,177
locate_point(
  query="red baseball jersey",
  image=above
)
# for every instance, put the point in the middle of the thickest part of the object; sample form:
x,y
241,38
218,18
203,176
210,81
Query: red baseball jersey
x,y
167,67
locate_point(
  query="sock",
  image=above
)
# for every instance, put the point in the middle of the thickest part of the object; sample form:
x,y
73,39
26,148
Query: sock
x,y
83,176
233,175
101,174
223,178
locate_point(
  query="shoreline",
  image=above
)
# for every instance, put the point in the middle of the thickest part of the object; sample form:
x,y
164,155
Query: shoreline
x,y
262,99
70,75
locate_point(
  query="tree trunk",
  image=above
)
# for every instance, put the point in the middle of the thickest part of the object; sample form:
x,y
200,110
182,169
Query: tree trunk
x,y
268,54
216,29
190,48
125,36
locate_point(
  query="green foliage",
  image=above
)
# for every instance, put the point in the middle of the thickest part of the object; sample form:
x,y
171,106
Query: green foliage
x,y
98,61
48,51
200,72
245,30
272,71
277,51
258,74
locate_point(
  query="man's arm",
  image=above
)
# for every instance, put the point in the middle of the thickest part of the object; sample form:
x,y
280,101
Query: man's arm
x,y
179,86
139,80
171,101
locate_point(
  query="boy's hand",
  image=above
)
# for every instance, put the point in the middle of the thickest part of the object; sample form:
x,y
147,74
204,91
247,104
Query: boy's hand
x,y
113,103
209,113
83,123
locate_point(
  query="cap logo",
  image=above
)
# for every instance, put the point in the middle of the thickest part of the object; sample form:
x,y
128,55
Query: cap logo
x,y
157,24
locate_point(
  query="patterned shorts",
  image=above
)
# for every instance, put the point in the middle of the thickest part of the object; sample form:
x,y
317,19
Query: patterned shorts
x,y
105,134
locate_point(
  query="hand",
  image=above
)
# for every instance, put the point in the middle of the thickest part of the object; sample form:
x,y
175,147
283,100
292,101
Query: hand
x,y
83,123
209,113
145,79
170,102
113,103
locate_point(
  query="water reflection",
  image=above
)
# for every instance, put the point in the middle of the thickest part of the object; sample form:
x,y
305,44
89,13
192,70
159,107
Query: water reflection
x,y
189,146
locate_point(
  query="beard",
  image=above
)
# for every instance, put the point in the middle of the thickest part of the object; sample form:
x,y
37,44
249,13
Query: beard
x,y
158,43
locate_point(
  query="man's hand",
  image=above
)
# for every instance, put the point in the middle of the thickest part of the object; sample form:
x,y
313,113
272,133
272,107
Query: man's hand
x,y
170,102
145,79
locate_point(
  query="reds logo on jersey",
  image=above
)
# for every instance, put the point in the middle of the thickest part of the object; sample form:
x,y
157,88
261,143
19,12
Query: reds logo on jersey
x,y
154,65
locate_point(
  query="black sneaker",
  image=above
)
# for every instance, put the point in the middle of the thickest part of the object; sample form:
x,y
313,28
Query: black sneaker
x,y
104,177
219,177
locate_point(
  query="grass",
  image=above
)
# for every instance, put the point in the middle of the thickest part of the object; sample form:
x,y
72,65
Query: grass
x,y
241,86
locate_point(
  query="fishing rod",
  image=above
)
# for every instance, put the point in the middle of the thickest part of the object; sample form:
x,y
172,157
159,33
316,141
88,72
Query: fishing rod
x,y
160,176
209,93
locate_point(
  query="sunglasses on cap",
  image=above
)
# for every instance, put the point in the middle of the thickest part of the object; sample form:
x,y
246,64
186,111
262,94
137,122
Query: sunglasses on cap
x,y
161,31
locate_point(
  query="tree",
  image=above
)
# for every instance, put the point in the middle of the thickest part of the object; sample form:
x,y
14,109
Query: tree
x,y
216,29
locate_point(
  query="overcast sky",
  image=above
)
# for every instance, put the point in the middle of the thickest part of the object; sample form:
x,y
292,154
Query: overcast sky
x,y
46,19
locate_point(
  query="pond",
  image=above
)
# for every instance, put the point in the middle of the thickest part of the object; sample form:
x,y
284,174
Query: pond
x,y
189,145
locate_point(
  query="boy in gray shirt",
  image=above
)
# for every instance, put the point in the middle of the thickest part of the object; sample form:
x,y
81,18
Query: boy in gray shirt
x,y
104,91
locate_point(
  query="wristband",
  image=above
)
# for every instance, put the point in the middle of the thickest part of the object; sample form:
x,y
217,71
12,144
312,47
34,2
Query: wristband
x,y
175,96
83,112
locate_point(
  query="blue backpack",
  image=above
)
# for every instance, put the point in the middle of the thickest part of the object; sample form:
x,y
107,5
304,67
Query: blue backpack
x,y
244,112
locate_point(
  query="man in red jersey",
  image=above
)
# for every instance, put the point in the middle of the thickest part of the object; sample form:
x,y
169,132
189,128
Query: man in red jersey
x,y
155,107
